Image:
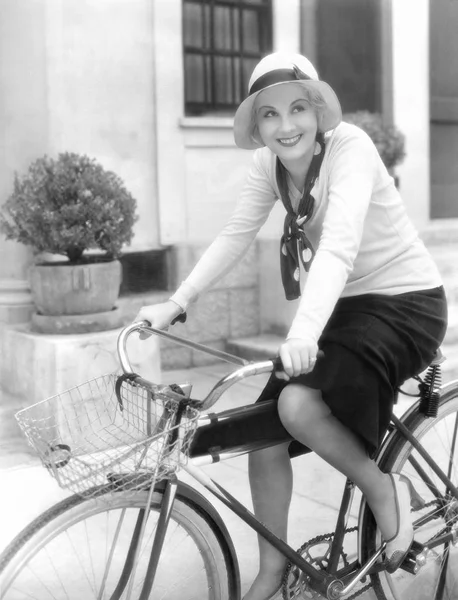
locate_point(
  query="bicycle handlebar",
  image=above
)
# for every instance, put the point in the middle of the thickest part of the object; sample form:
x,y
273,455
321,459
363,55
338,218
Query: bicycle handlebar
x,y
248,369
145,326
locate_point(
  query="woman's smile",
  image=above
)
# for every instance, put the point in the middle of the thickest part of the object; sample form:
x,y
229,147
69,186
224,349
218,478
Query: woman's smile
x,y
291,141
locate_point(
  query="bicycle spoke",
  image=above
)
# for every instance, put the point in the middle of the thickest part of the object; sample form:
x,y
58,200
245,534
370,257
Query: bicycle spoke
x,y
109,560
58,578
436,579
452,448
91,562
78,557
92,573
440,587
43,585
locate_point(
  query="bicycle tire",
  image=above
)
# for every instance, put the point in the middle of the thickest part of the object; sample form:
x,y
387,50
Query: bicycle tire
x,y
439,435
48,560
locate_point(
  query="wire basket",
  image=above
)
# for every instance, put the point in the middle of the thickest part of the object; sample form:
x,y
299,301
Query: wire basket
x,y
89,436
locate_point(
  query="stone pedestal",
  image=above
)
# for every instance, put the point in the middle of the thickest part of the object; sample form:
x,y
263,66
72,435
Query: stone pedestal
x,y
15,301
36,366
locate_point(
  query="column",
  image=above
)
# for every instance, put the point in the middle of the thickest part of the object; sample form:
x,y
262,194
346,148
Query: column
x,y
410,32
23,126
286,23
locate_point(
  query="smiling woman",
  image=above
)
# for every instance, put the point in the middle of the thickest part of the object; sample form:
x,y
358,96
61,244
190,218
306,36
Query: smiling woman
x,y
372,299
288,126
311,98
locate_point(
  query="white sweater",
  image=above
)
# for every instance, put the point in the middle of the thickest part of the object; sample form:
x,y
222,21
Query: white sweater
x,y
364,240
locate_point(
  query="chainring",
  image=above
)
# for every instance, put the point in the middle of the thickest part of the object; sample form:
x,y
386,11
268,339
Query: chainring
x,y
316,552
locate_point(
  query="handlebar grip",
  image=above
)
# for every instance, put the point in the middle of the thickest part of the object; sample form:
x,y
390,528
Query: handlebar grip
x,y
181,318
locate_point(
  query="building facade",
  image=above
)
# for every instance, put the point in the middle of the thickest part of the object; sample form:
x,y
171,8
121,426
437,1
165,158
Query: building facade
x,y
149,88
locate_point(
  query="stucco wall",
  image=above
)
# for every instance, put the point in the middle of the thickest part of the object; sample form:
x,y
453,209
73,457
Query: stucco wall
x,y
100,93
79,76
410,55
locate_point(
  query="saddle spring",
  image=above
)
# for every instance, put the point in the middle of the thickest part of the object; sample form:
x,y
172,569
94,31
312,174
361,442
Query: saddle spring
x,y
429,391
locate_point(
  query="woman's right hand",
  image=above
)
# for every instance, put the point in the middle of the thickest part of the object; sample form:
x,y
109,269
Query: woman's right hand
x,y
158,315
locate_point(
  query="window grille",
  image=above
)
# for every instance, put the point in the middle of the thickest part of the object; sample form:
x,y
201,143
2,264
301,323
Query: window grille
x,y
222,42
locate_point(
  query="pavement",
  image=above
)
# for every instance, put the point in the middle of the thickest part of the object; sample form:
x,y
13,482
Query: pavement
x,y
27,489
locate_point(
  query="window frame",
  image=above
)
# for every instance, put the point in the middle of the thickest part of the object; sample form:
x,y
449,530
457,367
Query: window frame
x,y
210,105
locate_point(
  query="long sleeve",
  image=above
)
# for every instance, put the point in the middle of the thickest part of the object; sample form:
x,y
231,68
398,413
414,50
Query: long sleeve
x,y
253,207
350,186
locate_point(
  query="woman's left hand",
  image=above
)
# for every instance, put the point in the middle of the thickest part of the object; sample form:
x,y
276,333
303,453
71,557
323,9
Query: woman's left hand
x,y
298,357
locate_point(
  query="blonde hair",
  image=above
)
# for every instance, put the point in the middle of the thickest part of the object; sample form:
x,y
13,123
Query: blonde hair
x,y
313,97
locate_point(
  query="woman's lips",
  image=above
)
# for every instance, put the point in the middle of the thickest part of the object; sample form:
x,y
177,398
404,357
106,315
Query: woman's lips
x,y
292,141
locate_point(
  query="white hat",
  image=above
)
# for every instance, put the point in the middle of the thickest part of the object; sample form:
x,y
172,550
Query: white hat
x,y
276,69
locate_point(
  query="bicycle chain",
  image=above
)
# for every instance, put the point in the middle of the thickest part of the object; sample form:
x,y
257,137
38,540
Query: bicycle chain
x,y
324,538
329,536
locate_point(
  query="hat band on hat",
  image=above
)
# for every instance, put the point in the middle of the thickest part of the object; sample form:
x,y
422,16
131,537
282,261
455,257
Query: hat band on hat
x,y
277,76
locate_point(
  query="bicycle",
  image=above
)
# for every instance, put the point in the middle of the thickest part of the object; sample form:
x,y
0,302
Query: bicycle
x,y
134,530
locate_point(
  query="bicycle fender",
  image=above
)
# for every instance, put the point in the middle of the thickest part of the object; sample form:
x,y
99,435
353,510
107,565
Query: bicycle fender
x,y
191,496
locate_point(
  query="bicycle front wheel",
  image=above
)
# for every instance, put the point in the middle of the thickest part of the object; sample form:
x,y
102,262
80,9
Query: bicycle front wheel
x,y
438,578
79,549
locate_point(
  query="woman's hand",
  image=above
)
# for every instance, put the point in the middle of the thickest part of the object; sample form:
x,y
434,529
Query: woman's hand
x,y
298,357
158,315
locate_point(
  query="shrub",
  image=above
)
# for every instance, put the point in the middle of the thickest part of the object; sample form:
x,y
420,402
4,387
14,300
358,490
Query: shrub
x,y
390,142
69,205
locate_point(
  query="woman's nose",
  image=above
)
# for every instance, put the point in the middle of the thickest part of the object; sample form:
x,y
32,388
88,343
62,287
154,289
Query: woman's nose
x,y
286,124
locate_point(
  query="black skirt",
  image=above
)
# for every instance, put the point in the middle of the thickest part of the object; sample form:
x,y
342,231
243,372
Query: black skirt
x,y
372,344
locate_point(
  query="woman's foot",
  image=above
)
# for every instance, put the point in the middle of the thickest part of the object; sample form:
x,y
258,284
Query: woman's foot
x,y
265,587
398,545
391,509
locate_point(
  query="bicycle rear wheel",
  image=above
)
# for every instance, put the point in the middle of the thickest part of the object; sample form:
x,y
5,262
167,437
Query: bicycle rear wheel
x,y
438,578
78,549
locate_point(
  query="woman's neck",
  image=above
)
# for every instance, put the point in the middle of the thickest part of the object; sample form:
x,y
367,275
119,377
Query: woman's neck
x,y
298,170
299,167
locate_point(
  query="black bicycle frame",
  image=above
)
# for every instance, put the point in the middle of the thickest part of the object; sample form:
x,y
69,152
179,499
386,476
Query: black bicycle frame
x,y
320,581
426,457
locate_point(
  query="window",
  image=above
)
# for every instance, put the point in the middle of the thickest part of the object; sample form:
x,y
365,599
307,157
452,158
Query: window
x,y
222,41
349,51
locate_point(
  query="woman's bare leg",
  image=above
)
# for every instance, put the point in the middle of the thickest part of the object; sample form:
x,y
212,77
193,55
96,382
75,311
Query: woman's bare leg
x,y
271,482
308,419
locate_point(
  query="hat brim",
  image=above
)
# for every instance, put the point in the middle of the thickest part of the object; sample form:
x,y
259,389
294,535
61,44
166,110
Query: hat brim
x,y
243,121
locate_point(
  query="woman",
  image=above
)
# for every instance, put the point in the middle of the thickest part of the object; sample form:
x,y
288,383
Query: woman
x,y
372,300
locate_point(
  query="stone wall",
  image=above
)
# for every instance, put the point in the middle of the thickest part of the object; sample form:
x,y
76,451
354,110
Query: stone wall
x,y
230,309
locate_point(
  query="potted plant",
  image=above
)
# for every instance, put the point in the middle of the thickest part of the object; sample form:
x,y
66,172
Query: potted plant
x,y
390,142
66,207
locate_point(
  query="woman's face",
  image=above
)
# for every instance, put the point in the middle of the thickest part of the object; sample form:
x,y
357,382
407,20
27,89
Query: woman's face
x,y
286,122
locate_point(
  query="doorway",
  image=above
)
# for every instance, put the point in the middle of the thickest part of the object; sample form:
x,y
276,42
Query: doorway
x,y
444,108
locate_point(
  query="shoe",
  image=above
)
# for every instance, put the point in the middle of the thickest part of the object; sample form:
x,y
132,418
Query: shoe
x,y
398,546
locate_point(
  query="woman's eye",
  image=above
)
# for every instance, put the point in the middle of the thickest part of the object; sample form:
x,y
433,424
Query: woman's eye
x,y
270,113
300,108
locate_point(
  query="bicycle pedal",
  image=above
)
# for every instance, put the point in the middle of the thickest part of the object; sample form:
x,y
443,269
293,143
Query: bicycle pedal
x,y
415,549
414,560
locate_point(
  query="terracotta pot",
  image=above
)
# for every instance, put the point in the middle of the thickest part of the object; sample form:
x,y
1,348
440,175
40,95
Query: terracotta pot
x,y
64,289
